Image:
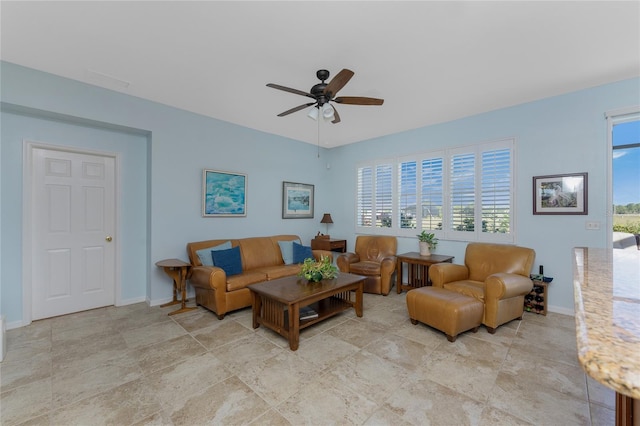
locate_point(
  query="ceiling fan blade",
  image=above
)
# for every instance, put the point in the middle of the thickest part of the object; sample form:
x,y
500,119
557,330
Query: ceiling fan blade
x,y
338,82
358,100
298,108
336,116
290,90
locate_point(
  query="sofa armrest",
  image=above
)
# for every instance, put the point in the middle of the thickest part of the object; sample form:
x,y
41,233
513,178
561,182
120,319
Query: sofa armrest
x,y
345,259
442,273
209,277
505,286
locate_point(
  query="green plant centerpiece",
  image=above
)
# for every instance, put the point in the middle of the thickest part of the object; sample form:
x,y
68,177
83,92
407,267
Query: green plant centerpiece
x,y
319,270
427,243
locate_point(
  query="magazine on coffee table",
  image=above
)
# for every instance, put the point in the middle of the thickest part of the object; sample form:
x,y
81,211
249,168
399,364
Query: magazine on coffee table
x,y
307,313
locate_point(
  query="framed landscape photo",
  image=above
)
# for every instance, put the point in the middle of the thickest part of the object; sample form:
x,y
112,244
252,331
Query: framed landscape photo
x,y
297,200
224,194
560,194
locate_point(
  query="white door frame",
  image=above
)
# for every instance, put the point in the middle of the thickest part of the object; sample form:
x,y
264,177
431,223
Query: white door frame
x,y
27,232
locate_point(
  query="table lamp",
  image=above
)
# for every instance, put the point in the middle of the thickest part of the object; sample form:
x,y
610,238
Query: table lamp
x,y
326,219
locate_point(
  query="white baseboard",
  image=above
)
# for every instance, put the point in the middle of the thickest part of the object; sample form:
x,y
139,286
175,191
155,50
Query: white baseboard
x,y
132,301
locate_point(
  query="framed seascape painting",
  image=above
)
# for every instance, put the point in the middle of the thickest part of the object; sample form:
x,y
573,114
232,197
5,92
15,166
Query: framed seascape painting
x,y
297,200
560,194
224,194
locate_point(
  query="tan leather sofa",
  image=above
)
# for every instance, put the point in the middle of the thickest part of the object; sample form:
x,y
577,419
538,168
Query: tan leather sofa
x,y
495,274
375,258
262,260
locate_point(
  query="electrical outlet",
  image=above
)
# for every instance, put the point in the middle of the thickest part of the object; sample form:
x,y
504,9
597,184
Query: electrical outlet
x,y
592,226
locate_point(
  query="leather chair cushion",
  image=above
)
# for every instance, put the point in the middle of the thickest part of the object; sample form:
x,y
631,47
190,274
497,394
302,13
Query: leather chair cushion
x,y
236,282
365,268
470,288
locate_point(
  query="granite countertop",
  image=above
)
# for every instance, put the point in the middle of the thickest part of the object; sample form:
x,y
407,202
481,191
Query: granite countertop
x,y
606,287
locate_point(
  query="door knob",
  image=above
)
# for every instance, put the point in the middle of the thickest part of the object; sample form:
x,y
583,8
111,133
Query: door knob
x,y
109,238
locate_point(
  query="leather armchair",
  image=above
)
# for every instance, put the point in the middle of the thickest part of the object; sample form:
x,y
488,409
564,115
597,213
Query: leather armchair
x,y
495,274
375,258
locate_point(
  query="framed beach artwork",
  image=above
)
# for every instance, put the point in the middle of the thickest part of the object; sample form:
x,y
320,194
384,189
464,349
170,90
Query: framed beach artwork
x,y
224,194
560,194
297,200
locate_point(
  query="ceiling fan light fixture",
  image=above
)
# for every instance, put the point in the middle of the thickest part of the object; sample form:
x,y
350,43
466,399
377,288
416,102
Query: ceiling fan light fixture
x,y
327,111
313,113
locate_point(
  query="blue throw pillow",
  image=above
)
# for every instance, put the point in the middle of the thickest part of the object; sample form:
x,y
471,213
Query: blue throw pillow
x,y
205,254
286,248
229,260
300,253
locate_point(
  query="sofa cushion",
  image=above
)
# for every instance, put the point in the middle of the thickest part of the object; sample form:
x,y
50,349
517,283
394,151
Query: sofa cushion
x,y
229,260
205,254
300,253
279,271
240,281
286,248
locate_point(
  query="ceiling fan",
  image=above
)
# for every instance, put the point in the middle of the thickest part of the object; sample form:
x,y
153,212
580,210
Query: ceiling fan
x,y
323,93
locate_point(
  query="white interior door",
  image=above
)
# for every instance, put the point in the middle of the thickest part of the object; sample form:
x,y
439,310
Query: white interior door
x,y
73,224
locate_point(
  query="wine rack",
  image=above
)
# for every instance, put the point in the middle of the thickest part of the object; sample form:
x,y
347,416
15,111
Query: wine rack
x,y
536,300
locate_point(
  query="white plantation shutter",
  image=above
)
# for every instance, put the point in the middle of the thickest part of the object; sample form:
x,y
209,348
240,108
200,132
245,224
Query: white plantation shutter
x,y
431,194
407,187
384,196
462,194
496,191
365,197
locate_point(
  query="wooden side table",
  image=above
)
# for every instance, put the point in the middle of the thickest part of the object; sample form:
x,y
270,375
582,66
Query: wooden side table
x,y
417,269
177,270
329,244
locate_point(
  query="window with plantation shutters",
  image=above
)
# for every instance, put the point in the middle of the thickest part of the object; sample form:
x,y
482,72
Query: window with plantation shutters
x,y
407,195
365,197
463,193
431,194
496,191
384,196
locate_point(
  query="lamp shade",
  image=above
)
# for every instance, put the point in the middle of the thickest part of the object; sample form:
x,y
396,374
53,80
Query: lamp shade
x,y
327,111
313,113
326,218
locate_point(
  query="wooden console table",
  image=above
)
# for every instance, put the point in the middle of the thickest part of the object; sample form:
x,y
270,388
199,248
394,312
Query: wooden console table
x,y
329,244
417,269
177,270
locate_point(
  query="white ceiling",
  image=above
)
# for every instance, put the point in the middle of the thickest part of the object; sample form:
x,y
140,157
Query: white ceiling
x,y
431,61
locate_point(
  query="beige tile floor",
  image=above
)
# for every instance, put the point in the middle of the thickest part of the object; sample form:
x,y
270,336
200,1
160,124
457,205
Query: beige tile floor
x,y
135,365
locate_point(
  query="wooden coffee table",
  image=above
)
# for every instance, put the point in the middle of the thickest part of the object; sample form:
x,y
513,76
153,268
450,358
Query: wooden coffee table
x,y
276,303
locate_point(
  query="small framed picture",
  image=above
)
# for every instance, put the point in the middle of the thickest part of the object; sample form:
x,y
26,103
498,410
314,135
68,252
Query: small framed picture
x,y
297,200
560,194
224,194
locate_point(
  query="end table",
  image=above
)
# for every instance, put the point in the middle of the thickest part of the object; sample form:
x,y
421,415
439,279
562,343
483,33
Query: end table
x,y
329,244
417,269
177,270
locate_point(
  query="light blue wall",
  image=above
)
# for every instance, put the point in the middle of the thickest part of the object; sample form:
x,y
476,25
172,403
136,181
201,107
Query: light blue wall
x,y
563,134
181,145
556,135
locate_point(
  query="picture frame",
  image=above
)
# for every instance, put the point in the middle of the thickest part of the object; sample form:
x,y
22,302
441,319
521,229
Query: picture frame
x,y
560,194
297,200
224,194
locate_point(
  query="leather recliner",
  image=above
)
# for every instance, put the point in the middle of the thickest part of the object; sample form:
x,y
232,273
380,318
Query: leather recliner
x,y
495,274
375,258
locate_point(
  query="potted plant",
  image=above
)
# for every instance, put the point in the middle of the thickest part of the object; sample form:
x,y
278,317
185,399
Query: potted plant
x,y
427,243
316,271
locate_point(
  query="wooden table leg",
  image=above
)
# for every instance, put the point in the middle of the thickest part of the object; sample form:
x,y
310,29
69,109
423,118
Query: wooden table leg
x,y
179,276
294,326
399,276
256,305
175,300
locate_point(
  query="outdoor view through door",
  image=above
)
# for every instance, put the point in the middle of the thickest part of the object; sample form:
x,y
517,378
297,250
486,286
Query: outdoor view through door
x,y
626,180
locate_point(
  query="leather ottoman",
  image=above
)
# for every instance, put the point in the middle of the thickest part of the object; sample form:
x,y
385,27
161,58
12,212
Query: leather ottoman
x,y
447,311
